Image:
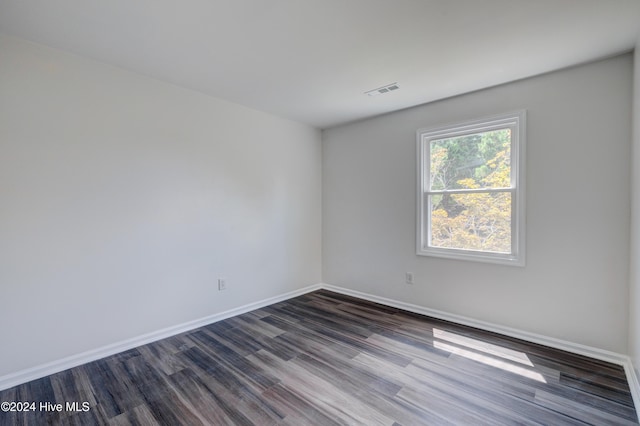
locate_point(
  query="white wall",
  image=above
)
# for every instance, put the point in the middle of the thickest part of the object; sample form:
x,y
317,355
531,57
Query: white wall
x,y
575,283
634,281
123,198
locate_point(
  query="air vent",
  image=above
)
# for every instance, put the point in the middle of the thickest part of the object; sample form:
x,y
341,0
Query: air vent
x,y
384,89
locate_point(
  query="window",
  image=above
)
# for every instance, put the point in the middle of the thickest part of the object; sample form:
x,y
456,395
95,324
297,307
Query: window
x,y
471,190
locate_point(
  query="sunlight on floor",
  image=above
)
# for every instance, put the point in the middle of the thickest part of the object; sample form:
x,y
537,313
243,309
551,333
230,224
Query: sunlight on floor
x,y
479,345
489,349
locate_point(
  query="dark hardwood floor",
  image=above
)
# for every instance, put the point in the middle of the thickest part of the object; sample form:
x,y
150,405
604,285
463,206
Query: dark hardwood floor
x,y
328,359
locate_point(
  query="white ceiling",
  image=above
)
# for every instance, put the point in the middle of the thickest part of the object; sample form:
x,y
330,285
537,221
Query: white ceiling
x,y
312,60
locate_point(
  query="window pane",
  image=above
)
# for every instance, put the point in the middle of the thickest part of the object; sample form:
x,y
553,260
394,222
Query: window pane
x,y
477,221
480,160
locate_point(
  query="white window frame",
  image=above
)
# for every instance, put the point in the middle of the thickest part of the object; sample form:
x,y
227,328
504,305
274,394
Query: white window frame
x,y
516,121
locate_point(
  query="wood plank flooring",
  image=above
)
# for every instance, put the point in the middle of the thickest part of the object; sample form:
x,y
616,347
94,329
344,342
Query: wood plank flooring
x,y
329,359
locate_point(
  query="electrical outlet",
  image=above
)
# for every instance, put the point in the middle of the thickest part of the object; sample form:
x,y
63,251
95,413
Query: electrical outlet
x,y
222,284
408,277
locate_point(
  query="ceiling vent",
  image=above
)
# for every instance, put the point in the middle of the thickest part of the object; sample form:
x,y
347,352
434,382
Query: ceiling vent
x,y
384,89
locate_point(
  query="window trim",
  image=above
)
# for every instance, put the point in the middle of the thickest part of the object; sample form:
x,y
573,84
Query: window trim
x,y
516,120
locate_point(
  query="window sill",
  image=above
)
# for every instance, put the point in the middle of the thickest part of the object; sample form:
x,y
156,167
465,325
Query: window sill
x,y
473,256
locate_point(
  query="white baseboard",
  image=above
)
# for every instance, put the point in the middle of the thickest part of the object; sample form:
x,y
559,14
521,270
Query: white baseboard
x,y
600,354
37,372
512,332
634,384
43,370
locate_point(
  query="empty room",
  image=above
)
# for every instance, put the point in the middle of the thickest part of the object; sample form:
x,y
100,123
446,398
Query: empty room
x,y
306,212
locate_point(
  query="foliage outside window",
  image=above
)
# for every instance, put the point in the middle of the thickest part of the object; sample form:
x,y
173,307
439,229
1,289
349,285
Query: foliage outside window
x,y
471,197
